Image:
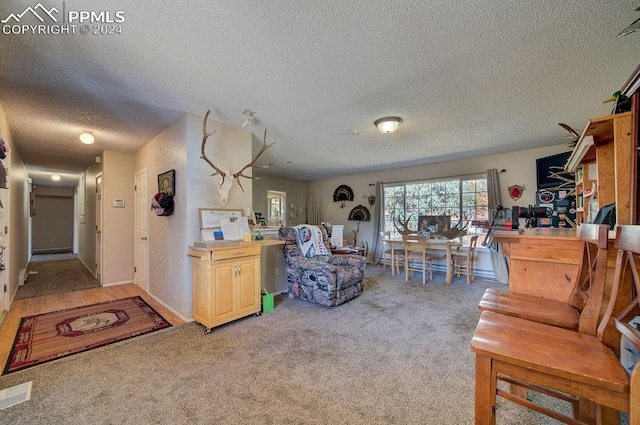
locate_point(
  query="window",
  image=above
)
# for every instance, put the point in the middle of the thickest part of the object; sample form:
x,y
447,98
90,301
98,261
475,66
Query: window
x,y
462,198
276,202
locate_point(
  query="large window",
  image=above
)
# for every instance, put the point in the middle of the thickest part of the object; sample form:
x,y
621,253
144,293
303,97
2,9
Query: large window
x,y
462,198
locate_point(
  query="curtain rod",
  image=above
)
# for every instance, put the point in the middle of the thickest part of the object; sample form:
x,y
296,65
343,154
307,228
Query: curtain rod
x,y
435,178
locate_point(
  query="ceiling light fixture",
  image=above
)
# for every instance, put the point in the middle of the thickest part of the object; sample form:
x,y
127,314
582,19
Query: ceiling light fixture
x,y
55,177
87,138
388,124
249,119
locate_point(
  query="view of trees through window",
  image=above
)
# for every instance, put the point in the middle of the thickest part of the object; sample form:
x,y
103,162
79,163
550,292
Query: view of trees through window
x,y
462,198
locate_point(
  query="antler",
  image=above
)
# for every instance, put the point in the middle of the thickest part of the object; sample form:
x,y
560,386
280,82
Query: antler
x,y
252,164
205,135
405,226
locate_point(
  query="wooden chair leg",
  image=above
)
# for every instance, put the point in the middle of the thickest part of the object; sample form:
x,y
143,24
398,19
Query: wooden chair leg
x,y
485,403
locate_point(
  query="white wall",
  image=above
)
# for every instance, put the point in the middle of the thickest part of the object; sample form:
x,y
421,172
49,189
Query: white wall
x,y
178,148
117,223
16,211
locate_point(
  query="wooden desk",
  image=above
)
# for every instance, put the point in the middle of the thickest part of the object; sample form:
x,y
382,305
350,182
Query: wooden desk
x,y
544,261
440,244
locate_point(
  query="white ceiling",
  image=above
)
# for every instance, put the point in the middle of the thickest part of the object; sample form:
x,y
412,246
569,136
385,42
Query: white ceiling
x,y
467,77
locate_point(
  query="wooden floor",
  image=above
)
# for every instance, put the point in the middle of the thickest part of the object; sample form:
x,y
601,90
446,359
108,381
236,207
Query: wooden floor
x,y
45,304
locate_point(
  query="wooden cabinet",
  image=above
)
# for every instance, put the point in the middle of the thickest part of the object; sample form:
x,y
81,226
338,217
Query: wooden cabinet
x,y
605,155
226,284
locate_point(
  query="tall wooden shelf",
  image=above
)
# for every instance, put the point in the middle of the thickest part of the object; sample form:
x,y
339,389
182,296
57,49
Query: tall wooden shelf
x,y
605,147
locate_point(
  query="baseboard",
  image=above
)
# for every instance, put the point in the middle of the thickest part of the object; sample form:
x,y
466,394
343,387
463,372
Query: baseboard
x,y
53,251
158,300
124,282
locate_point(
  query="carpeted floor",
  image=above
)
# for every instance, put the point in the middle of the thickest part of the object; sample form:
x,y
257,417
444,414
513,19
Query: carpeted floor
x,y
53,277
397,354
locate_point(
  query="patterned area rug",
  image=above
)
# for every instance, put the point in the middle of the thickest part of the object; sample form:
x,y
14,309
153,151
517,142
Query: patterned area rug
x,y
58,334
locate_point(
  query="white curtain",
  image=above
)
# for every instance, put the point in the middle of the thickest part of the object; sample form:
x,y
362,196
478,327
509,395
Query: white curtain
x,y
499,263
377,220
314,204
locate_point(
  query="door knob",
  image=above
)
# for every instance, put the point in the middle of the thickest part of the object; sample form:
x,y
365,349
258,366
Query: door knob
x,y
144,238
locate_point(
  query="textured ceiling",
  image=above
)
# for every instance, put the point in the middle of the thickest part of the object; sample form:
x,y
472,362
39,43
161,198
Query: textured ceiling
x,y
467,77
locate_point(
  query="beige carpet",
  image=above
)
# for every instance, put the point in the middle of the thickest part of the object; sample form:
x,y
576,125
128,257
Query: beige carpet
x,y
54,277
397,354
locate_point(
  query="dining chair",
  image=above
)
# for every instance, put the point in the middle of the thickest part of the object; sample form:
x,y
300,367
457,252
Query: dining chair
x,y
387,249
463,261
593,262
578,368
415,251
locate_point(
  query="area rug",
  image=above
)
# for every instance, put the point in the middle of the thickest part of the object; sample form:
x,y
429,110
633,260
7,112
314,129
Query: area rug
x,y
49,336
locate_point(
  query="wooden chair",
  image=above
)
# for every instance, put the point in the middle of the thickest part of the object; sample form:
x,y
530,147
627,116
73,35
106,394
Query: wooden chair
x,y
463,261
593,261
415,251
634,414
387,250
562,363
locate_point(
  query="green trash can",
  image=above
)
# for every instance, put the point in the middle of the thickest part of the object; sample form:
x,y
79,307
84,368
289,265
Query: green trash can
x,y
267,300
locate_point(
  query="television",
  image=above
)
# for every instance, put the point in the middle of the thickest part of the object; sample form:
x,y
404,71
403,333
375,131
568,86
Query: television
x,y
549,167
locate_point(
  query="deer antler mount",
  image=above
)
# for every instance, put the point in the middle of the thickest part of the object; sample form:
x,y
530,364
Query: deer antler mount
x,y
225,184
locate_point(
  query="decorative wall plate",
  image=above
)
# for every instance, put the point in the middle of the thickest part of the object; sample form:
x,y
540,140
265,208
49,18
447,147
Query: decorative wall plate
x,y
342,193
359,213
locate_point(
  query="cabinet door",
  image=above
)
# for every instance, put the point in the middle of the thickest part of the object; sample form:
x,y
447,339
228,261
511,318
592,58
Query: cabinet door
x,y
249,285
223,277
201,271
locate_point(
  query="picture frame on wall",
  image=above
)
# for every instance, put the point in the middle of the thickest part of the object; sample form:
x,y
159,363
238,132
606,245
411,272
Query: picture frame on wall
x,y
167,182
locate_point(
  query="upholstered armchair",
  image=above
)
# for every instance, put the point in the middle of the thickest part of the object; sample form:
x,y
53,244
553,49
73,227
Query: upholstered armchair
x,y
328,280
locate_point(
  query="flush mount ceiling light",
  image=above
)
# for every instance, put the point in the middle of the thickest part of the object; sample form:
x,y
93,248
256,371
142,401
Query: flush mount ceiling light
x,y
87,138
249,114
388,124
55,177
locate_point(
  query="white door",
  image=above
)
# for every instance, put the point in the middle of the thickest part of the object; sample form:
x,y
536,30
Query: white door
x,y
141,260
99,228
3,255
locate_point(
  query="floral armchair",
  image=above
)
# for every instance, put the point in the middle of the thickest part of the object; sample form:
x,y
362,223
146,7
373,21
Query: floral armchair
x,y
328,280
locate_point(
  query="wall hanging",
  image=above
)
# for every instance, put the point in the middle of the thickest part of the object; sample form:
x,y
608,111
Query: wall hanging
x,y
515,191
359,213
167,182
226,176
342,193
162,203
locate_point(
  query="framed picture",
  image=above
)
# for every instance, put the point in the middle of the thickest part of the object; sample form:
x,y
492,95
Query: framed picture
x,y
167,182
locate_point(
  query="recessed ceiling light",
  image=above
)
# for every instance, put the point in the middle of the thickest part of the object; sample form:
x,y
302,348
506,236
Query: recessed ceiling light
x,y
388,124
55,177
87,138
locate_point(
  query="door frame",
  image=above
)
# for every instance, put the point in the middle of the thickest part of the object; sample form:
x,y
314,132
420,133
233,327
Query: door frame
x,y
99,220
145,286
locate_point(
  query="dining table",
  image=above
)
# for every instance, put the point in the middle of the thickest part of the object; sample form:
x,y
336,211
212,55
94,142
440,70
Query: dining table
x,y
432,243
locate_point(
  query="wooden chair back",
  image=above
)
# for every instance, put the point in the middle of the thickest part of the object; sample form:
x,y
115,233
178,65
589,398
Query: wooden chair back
x,y
625,305
415,249
589,289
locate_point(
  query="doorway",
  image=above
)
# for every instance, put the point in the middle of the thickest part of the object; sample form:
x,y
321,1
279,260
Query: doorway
x,y
141,214
98,271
